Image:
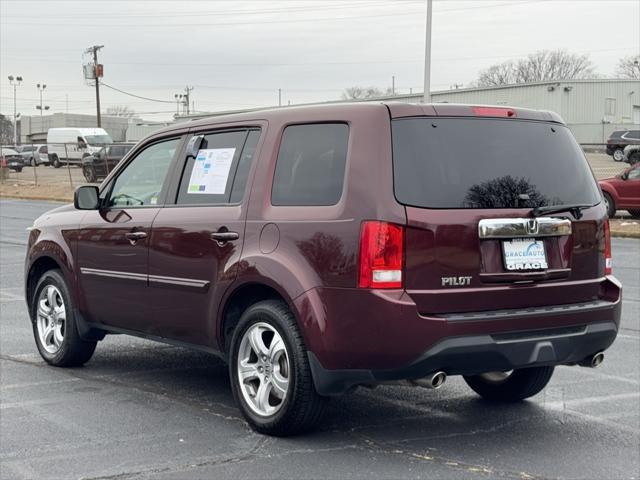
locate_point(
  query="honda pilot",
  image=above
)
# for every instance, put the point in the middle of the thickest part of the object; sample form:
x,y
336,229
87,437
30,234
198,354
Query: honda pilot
x,y
318,249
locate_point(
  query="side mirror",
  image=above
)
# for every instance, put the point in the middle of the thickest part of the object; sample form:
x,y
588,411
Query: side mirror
x,y
86,198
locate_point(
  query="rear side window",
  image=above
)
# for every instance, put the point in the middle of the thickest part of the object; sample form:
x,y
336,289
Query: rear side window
x,y
311,164
218,175
634,134
488,163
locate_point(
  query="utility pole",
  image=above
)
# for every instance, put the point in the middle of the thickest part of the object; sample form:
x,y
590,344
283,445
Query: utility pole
x,y
426,98
187,94
279,97
97,74
393,85
16,83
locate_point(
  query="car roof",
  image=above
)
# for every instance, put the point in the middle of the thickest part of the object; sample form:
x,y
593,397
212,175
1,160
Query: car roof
x,y
8,150
345,110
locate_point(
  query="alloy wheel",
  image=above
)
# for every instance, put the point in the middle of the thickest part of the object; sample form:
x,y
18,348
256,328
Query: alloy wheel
x,y
51,319
263,369
618,155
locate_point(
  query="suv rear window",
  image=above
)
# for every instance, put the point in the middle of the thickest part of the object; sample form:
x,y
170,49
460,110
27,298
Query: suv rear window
x,y
310,165
488,163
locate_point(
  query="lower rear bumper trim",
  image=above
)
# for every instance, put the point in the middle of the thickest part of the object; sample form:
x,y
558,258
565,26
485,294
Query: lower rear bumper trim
x,y
472,355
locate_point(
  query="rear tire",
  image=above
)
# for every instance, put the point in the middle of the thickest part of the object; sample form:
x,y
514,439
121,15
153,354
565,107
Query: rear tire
x,y
56,162
518,385
634,158
54,325
18,169
618,155
609,205
280,414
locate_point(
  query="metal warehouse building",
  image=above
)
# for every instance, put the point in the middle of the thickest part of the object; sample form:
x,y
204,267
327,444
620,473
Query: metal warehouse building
x,y
592,108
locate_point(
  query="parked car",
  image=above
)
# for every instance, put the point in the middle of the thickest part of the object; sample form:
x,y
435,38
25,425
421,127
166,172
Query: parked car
x,y
97,166
34,155
71,145
632,154
620,139
11,159
317,249
622,192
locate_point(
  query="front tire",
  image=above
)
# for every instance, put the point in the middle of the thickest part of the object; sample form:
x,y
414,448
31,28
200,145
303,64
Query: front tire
x,y
618,155
510,387
89,174
609,204
634,158
270,374
54,325
56,162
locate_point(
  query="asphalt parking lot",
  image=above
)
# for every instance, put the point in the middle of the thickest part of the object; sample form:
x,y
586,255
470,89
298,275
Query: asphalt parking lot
x,y
144,410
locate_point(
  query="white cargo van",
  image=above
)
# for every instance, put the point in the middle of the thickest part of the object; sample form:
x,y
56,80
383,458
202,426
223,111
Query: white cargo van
x,y
79,142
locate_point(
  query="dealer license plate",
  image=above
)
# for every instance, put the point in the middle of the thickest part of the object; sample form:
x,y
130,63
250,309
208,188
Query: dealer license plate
x,y
524,254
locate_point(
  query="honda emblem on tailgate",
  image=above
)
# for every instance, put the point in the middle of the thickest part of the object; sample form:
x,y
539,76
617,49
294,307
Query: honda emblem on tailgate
x,y
532,226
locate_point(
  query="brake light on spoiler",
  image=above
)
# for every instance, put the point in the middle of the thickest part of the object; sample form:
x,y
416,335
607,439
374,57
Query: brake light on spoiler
x,y
493,112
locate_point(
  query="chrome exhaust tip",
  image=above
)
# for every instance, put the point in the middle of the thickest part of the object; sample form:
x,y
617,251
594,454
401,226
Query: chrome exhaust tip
x,y
433,381
593,361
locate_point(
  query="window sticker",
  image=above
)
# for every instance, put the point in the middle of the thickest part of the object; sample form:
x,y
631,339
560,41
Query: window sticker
x,y
211,171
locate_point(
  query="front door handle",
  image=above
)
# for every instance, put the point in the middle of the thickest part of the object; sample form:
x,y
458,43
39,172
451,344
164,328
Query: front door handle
x,y
134,237
223,236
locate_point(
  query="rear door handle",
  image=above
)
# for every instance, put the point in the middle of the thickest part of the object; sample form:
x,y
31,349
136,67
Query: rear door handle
x,y
224,236
134,237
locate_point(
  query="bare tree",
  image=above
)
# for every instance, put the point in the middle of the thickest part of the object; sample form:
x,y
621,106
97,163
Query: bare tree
x,y
360,93
6,131
629,67
121,111
537,67
500,74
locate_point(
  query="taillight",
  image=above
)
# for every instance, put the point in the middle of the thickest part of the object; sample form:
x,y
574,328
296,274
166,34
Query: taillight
x,y
493,112
608,270
381,255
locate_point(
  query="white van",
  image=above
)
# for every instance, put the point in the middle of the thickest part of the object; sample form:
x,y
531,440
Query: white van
x,y
79,142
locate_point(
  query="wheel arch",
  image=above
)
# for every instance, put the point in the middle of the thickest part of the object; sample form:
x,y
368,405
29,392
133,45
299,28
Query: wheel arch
x,y
39,267
240,297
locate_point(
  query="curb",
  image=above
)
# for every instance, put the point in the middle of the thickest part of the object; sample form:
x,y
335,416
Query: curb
x,y
35,197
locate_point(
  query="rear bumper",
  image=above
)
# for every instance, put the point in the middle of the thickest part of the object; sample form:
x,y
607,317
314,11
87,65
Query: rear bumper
x,y
357,336
471,355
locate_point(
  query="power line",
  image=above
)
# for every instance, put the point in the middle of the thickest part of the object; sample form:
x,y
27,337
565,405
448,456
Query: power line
x,y
136,96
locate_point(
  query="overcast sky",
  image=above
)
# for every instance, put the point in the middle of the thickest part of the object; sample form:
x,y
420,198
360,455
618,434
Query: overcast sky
x,y
236,54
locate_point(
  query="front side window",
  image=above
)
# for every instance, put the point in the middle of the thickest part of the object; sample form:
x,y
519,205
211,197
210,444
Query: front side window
x,y
141,181
311,165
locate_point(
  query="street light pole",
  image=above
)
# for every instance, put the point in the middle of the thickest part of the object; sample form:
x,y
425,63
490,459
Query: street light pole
x,y
40,107
15,83
426,98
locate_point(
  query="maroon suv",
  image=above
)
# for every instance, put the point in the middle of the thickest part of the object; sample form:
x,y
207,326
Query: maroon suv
x,y
317,249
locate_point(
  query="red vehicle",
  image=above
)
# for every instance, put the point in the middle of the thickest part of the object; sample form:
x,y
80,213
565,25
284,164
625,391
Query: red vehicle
x,y
622,192
317,249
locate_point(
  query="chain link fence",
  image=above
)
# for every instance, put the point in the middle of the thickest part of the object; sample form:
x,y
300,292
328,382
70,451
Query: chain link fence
x,y
38,164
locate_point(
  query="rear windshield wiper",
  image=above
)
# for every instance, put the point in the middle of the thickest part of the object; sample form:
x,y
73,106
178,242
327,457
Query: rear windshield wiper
x,y
576,210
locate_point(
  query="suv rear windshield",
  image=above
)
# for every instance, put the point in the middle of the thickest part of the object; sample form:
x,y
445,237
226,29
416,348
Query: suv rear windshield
x,y
488,163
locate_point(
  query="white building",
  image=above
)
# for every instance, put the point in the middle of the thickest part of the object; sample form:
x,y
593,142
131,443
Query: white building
x,y
591,108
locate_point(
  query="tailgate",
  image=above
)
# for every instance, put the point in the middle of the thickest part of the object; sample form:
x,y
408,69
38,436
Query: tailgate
x,y
473,243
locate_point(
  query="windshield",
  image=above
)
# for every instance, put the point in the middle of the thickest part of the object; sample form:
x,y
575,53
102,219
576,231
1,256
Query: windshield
x,y
98,139
488,163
